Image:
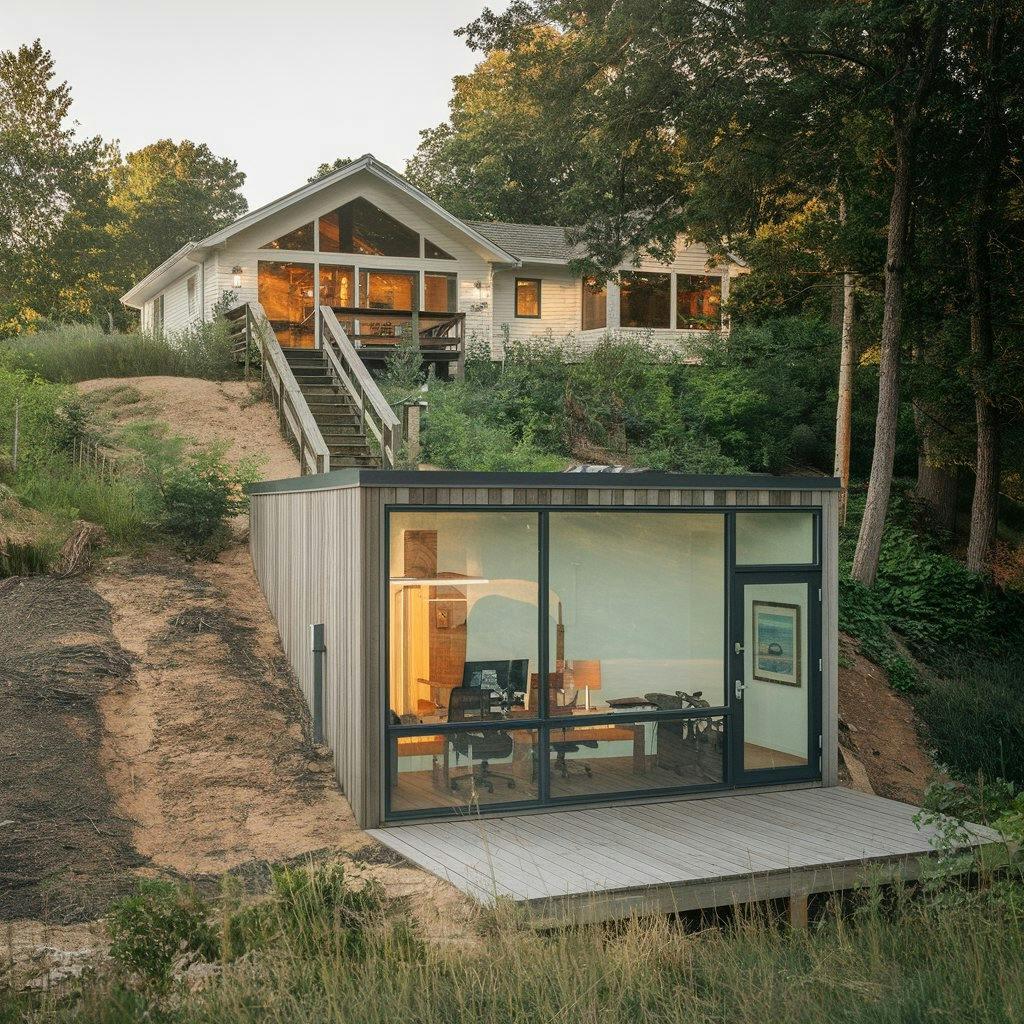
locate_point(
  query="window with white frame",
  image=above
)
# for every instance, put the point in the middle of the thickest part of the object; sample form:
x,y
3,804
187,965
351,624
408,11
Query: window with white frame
x,y
157,318
192,291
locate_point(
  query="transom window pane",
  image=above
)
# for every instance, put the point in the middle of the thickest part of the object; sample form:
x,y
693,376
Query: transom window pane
x,y
774,538
361,227
645,299
439,293
435,252
463,615
698,302
527,297
637,606
300,239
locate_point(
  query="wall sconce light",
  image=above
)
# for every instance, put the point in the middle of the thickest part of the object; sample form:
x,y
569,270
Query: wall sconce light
x,y
236,276
479,286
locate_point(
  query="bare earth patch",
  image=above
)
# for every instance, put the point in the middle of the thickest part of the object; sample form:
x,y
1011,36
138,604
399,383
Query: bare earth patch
x,y
205,747
880,727
208,411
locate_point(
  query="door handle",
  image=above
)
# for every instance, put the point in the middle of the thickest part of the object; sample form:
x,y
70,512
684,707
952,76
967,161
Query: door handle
x,y
738,647
738,688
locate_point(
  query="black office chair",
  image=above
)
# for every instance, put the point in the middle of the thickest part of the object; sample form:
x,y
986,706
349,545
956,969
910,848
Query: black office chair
x,y
471,704
567,746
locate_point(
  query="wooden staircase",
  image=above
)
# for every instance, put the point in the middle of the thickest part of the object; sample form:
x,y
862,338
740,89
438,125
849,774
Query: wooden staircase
x,y
336,414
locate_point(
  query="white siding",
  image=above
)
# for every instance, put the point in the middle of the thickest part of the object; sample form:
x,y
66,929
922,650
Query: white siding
x,y
560,299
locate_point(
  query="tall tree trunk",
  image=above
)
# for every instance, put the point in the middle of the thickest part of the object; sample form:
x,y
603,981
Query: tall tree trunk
x,y
869,542
985,504
937,487
906,125
844,405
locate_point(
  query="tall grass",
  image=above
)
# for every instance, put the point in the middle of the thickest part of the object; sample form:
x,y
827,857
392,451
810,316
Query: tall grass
x,y
974,715
77,352
890,960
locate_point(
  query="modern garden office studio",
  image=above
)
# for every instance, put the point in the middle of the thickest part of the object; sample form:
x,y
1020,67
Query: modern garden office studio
x,y
498,643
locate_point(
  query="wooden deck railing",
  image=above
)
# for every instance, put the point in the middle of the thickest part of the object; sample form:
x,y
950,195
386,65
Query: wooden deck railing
x,y
441,336
253,339
377,416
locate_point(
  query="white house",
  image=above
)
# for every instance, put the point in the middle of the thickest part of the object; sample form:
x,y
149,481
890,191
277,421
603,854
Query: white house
x,y
364,239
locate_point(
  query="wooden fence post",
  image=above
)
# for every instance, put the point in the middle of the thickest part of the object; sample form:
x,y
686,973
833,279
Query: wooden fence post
x,y
17,435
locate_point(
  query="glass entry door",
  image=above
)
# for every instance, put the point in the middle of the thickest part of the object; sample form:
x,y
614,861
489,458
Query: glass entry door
x,y
776,677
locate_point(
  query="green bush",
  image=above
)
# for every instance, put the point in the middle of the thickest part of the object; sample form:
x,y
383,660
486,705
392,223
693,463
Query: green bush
x,y
43,430
199,496
155,927
77,352
312,911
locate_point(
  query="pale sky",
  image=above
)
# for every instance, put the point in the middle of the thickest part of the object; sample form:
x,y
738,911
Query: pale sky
x,y
279,85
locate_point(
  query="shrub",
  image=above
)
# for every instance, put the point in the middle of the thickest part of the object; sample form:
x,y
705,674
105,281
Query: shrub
x,y
313,911
42,431
155,927
199,496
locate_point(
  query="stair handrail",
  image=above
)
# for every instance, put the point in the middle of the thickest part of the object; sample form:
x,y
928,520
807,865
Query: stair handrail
x,y
293,412
375,413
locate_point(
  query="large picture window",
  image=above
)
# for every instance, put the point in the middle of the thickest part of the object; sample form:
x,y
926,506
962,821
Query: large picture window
x,y
388,289
361,227
337,286
286,294
698,302
594,305
645,299
439,293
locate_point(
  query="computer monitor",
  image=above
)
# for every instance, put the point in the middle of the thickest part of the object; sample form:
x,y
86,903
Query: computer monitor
x,y
518,678
487,675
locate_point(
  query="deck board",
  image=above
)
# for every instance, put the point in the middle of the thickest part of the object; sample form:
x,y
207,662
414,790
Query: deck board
x,y
599,863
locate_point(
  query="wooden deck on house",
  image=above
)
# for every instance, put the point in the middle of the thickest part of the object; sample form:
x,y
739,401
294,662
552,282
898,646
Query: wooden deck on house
x,y
608,862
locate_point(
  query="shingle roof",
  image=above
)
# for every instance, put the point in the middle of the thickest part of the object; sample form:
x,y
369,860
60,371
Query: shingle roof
x,y
527,241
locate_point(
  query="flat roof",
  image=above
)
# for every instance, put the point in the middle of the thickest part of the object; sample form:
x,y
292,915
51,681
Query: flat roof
x,y
582,481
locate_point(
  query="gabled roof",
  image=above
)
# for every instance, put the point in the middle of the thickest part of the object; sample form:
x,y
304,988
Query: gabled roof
x,y
368,162
536,243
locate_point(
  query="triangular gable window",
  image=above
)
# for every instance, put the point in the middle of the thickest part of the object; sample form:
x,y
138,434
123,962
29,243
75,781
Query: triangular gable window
x,y
435,252
299,240
361,227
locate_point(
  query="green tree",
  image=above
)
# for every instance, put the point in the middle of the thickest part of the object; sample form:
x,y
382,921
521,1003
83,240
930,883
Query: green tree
x,y
335,165
495,158
166,194
53,197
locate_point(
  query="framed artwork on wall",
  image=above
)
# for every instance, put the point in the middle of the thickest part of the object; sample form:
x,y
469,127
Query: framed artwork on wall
x,y
776,643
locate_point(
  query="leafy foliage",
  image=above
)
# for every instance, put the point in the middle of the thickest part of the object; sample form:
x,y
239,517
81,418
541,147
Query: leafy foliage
x,y
199,496
155,927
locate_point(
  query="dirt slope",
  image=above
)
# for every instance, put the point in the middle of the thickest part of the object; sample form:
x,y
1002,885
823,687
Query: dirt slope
x,y
208,411
880,728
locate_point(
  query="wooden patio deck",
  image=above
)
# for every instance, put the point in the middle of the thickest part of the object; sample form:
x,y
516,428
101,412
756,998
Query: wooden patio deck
x,y
604,863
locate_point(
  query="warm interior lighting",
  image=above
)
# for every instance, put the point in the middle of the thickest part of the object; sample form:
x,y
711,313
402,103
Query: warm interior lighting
x,y
236,276
437,581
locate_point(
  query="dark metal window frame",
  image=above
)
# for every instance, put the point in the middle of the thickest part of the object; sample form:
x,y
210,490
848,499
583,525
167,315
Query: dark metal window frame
x,y
732,774
515,298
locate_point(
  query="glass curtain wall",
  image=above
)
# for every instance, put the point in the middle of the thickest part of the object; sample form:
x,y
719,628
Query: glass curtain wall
x,y
635,638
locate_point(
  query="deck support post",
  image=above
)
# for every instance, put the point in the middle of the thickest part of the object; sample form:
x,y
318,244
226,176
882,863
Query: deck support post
x,y
798,910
